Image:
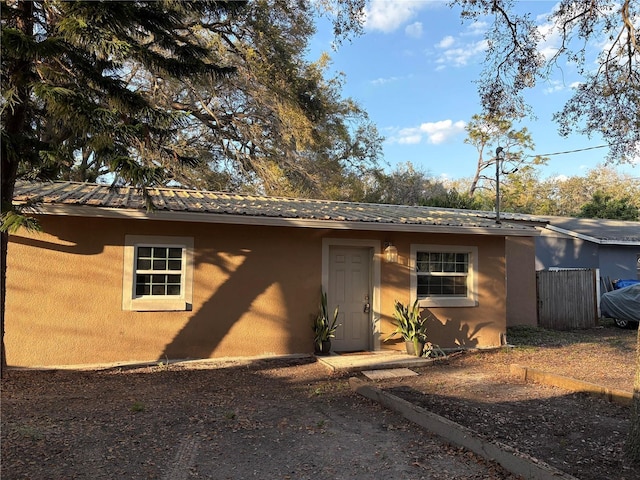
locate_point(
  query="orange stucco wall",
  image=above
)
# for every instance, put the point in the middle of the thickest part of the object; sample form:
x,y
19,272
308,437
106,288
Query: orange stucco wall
x,y
522,308
255,291
452,327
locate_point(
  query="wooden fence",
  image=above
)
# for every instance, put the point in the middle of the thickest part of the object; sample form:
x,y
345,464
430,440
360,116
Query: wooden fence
x,y
567,299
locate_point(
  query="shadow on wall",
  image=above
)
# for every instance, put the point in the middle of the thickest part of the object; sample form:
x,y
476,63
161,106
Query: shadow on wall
x,y
451,333
250,298
258,299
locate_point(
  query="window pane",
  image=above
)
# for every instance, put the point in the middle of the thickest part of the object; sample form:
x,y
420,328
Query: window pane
x,y
449,262
460,286
143,284
174,265
159,264
158,290
462,262
157,278
144,252
143,289
143,264
175,253
431,286
160,252
435,262
173,289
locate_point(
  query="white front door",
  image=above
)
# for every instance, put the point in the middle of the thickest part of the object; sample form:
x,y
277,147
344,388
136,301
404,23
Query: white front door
x,y
350,290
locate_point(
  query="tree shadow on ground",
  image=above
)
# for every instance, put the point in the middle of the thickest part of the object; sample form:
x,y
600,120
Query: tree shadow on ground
x,y
575,433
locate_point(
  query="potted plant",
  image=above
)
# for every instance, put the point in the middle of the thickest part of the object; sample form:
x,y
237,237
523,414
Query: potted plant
x,y
412,328
324,328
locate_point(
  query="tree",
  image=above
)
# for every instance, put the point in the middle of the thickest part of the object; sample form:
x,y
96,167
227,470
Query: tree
x,y
66,83
403,186
523,193
604,206
209,93
606,102
453,199
276,124
485,132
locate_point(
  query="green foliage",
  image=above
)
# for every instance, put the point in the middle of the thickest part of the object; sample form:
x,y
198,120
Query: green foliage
x,y
30,432
410,325
13,218
324,326
524,192
408,322
453,199
604,206
208,94
405,185
486,133
607,99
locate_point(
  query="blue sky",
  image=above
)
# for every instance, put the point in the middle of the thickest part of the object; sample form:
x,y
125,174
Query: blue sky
x,y
413,71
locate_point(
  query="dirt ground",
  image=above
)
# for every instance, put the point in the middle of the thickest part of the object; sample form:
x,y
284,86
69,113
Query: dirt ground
x,y
292,419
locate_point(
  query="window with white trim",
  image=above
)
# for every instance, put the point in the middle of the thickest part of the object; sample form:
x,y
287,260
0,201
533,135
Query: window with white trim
x,y
158,273
444,276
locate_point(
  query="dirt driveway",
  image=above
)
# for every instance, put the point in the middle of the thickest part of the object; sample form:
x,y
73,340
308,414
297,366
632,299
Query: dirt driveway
x,y
270,420
293,420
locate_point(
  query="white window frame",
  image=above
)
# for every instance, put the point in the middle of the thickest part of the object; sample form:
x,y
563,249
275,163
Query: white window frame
x,y
471,300
155,303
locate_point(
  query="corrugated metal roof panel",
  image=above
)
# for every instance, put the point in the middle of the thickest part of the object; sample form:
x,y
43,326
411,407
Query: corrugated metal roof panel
x,y
219,203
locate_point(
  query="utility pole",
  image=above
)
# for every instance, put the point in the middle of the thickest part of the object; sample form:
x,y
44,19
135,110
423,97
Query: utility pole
x,y
499,157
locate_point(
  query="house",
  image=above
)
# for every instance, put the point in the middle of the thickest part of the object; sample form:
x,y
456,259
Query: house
x,y
612,246
209,274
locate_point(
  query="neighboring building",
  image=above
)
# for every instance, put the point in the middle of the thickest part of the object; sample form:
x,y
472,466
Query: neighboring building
x,y
612,246
214,275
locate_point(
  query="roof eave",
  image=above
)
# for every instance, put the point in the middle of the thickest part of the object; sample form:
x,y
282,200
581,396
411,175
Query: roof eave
x,y
588,238
224,218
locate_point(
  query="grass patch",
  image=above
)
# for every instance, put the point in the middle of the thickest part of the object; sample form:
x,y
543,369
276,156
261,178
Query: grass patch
x,y
30,432
527,336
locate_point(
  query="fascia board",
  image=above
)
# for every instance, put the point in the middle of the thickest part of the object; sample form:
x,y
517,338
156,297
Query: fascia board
x,y
589,238
197,217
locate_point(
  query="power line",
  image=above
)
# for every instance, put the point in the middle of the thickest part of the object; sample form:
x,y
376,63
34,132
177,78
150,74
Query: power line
x,y
570,151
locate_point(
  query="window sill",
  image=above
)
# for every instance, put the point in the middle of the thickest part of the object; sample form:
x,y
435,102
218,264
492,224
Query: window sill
x,y
448,302
165,305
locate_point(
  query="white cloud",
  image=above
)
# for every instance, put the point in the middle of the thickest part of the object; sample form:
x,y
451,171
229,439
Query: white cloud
x,y
439,132
446,42
476,28
408,136
414,30
461,55
551,40
384,81
554,86
388,15
431,132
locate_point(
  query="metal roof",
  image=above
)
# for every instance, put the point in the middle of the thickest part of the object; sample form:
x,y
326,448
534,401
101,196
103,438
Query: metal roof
x,y
597,230
217,205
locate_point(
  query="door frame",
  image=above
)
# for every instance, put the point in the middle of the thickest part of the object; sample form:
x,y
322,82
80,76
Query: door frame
x,y
374,269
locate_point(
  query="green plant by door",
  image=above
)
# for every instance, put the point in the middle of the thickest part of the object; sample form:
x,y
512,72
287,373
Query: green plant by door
x,y
324,326
410,325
